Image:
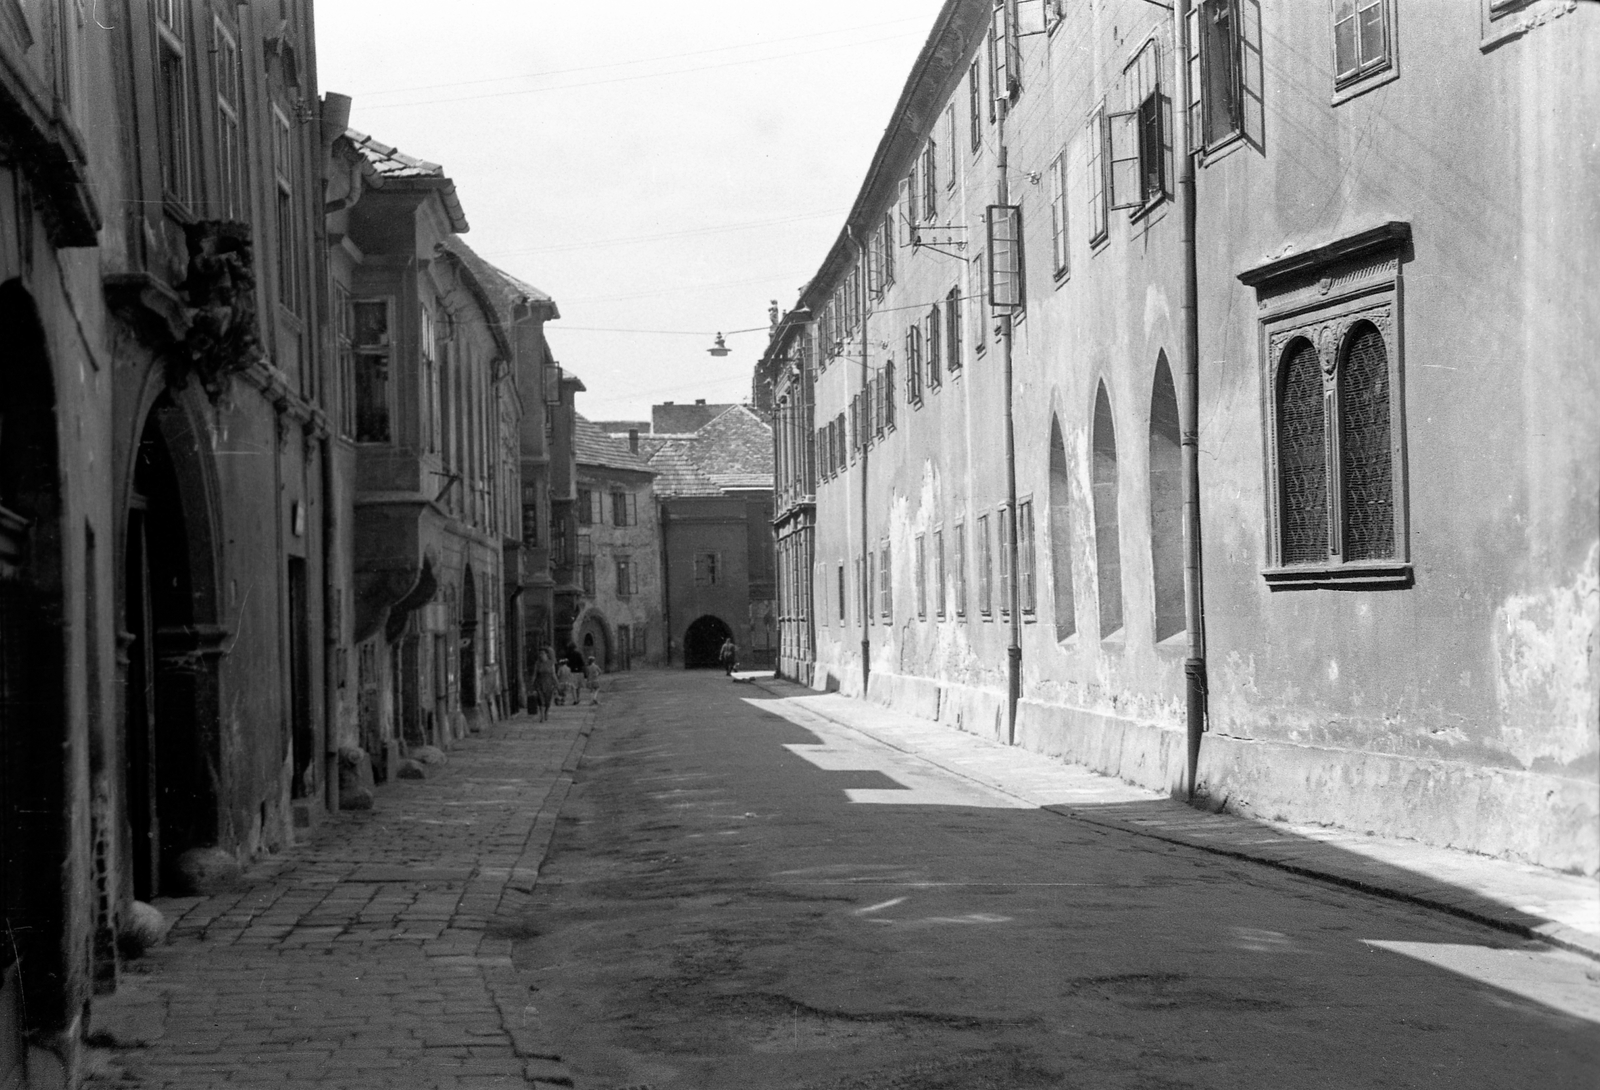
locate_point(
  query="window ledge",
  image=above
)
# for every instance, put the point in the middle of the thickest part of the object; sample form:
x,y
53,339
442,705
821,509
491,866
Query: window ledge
x,y
1359,85
1386,573
1221,149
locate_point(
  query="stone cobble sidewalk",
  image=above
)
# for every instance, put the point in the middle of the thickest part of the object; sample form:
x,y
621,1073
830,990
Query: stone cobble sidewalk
x,y
375,954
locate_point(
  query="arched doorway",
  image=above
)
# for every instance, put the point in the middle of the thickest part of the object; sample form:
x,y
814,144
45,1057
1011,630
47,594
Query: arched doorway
x,y
469,634
33,707
702,642
172,748
593,639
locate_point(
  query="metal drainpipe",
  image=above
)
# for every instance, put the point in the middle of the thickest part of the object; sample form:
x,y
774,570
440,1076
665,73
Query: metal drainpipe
x,y
866,564
332,640
1194,666
1014,648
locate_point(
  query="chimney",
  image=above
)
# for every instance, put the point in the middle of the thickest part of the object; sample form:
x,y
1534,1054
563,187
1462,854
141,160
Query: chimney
x,y
699,401
633,440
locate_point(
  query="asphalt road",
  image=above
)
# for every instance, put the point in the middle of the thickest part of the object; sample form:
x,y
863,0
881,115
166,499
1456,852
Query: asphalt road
x,y
734,899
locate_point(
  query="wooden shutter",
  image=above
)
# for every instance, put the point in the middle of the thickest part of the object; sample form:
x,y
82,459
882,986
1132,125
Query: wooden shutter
x,y
1005,255
1127,182
1197,140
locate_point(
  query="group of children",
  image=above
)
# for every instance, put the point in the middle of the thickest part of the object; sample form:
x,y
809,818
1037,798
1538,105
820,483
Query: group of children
x,y
557,683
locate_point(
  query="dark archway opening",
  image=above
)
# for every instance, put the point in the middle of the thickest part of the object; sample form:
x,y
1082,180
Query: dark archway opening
x,y
33,717
170,793
703,641
469,641
592,640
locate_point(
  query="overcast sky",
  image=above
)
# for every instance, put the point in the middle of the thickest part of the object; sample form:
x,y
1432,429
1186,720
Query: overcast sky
x,y
652,166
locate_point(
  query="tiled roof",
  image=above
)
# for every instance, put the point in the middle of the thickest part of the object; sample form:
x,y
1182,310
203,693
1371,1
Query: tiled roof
x,y
676,475
672,418
504,289
593,447
733,451
393,165
391,162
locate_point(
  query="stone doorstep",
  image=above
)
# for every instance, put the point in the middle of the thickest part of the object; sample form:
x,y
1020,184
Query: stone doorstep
x,y
1325,855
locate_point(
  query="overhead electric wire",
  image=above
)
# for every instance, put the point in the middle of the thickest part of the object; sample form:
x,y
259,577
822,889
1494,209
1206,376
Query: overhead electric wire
x,y
626,79
642,60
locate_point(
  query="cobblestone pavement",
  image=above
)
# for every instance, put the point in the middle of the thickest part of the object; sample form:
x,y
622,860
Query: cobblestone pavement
x,y
377,953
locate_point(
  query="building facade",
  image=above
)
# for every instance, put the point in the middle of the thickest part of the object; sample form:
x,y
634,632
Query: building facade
x,y
619,552
714,485
783,388
1143,430
427,337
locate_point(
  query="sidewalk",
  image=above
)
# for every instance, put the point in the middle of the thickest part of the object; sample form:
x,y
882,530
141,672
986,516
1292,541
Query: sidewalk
x,y
1560,909
377,952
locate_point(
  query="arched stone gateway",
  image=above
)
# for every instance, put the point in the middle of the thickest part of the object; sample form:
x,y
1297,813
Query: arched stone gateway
x,y
173,650
703,640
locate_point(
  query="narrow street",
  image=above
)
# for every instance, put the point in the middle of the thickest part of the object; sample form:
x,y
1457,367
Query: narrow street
x,y
702,884
735,900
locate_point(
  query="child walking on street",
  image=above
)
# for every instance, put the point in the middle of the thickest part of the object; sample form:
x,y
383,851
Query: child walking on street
x,y
591,679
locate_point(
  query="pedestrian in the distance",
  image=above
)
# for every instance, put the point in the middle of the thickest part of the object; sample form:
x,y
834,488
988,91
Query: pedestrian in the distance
x,y
591,679
566,691
729,656
544,682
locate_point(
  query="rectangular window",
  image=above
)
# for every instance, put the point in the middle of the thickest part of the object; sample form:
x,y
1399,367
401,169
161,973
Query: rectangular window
x,y
841,592
370,322
960,558
888,250
707,569
230,147
930,181
624,509
624,576
985,568
585,507
952,329
1096,139
283,159
980,304
885,583
913,192
1003,529
1025,566
1214,105
1058,215
922,578
1360,39
172,92
888,393
586,575
346,414
1139,136
932,334
914,364
950,145
975,104
938,574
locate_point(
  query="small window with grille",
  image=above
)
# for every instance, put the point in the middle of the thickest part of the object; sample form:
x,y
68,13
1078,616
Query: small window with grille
x,y
1335,444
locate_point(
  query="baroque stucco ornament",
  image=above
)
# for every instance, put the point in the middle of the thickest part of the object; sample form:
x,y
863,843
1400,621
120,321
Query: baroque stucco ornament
x,y
223,338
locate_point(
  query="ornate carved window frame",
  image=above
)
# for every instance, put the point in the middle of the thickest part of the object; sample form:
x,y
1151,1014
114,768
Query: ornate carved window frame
x,y
1321,295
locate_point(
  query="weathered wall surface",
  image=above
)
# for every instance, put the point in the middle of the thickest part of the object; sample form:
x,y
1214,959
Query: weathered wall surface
x,y
1457,704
